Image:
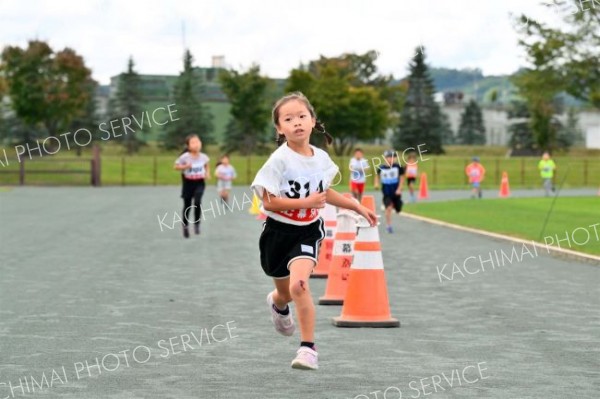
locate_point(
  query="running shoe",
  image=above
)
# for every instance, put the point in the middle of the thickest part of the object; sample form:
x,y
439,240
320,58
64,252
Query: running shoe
x,y
283,324
306,359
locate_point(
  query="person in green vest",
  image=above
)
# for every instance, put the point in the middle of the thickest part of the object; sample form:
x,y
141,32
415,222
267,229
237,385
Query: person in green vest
x,y
547,167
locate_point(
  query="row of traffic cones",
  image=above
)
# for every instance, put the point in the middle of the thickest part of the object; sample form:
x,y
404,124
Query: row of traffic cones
x,y
504,186
353,265
350,258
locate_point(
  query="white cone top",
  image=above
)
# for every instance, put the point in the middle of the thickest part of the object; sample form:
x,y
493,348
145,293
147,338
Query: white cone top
x,y
328,213
368,234
345,223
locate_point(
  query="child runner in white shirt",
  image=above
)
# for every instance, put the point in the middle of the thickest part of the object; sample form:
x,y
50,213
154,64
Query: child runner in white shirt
x,y
195,170
225,173
358,178
294,184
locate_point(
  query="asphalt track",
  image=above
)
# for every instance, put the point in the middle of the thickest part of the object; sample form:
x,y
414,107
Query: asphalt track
x,y
91,273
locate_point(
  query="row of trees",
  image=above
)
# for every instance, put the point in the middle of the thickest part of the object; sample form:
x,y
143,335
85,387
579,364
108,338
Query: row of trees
x,y
52,92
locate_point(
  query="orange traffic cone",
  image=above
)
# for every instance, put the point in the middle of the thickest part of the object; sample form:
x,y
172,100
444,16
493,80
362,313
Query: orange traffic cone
x,y
504,186
423,189
326,250
337,283
368,201
366,303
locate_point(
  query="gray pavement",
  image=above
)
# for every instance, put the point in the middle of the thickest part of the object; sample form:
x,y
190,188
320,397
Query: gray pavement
x,y
446,195
87,273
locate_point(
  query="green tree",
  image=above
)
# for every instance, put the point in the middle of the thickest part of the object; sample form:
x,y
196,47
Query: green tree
x,y
540,87
421,120
522,140
127,101
193,115
570,134
46,88
3,109
471,130
87,118
247,130
349,96
569,52
494,96
448,137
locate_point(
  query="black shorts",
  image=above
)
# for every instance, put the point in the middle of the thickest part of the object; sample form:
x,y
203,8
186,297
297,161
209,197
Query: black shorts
x,y
192,188
395,200
280,243
411,180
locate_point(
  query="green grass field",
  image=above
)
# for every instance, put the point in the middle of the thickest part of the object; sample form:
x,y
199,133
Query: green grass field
x,y
153,165
524,218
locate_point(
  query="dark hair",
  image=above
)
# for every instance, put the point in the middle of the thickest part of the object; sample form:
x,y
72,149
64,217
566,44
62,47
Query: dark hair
x,y
187,142
358,149
319,126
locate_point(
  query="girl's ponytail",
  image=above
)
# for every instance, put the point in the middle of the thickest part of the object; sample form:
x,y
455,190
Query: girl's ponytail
x,y
280,139
320,127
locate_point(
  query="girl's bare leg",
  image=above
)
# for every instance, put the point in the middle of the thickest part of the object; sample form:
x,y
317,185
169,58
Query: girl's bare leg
x,y
388,215
299,289
281,295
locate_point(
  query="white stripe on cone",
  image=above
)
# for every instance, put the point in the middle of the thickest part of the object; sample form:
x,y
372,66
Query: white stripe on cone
x,y
343,247
345,223
368,234
328,213
371,260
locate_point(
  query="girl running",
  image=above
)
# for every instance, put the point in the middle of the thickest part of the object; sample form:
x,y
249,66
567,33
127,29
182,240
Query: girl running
x,y
294,184
412,171
225,174
194,165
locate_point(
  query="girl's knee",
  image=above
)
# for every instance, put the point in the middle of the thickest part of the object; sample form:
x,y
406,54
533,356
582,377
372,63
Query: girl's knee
x,y
299,288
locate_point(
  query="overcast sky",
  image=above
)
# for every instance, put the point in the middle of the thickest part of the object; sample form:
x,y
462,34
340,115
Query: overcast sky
x,y
278,35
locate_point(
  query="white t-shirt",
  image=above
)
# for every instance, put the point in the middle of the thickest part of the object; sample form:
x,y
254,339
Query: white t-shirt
x,y
227,171
198,169
287,173
411,170
357,167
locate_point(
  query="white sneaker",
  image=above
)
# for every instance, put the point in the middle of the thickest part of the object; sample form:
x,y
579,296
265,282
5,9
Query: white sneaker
x,y
283,324
306,359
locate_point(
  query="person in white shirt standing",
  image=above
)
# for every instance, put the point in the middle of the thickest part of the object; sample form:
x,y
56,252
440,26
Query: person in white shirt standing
x,y
357,174
294,184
